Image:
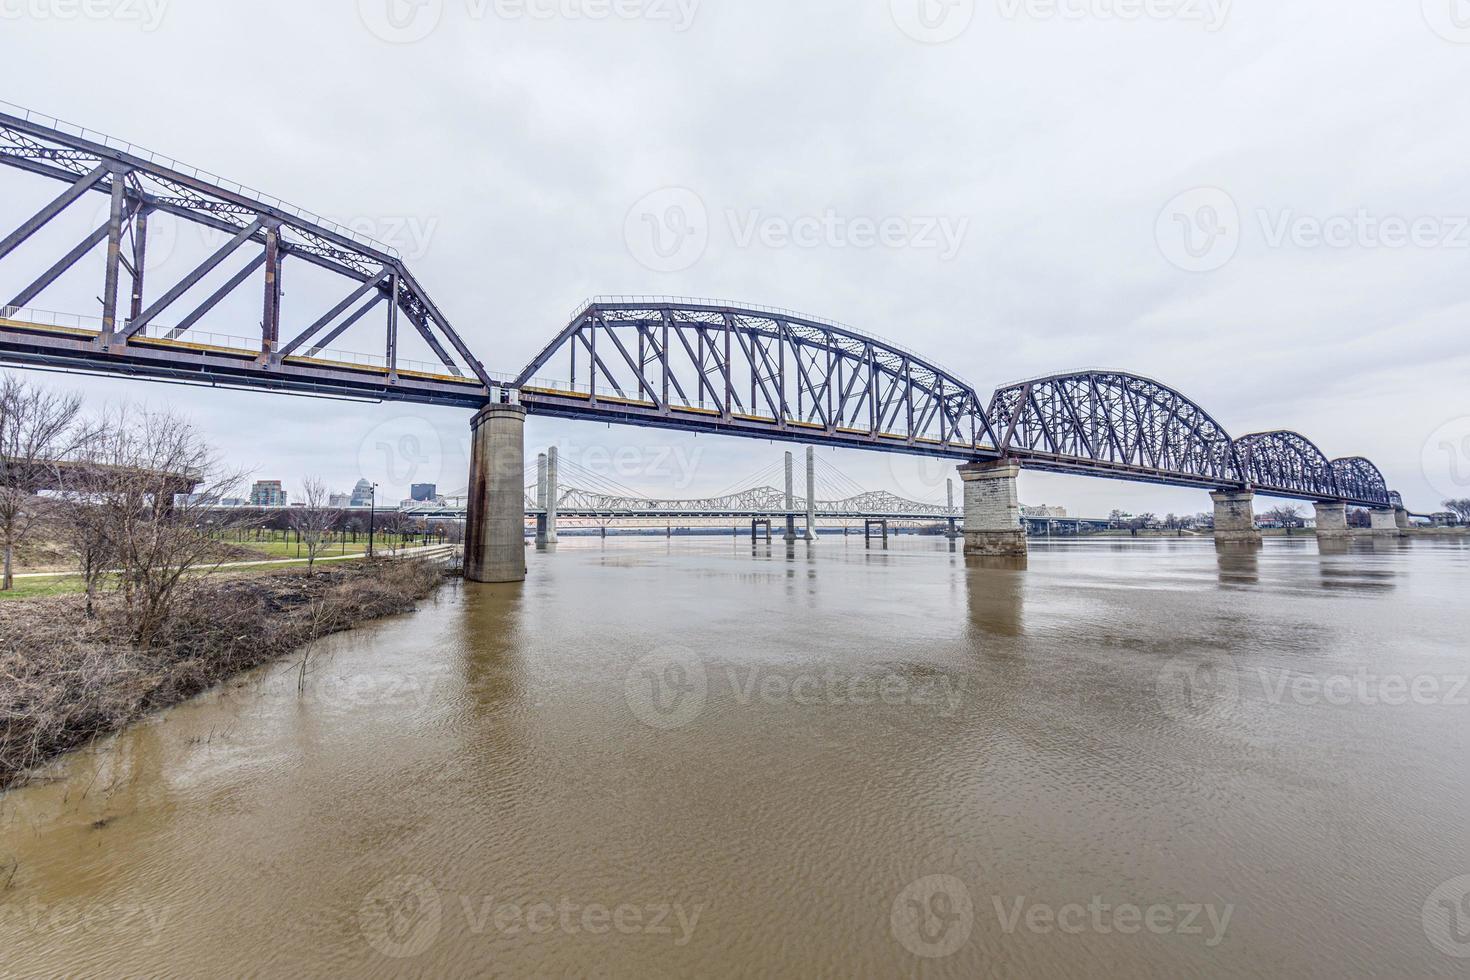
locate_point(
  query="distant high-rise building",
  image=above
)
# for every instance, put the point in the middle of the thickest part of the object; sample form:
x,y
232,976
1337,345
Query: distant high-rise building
x,y
362,494
424,492
338,501
267,493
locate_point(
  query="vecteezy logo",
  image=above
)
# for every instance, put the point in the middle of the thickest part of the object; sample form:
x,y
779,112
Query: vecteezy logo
x,y
1194,689
1199,231
401,917
668,230
1446,458
1447,917
400,21
933,916
1450,19
932,21
401,451
667,688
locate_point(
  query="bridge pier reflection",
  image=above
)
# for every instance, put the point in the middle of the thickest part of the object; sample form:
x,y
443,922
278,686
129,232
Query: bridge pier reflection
x,y
1240,562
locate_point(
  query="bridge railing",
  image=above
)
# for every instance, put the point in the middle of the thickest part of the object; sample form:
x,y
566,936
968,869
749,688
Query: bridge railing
x,y
168,162
779,311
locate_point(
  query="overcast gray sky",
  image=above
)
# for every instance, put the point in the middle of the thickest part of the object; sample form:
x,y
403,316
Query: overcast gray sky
x,y
1262,204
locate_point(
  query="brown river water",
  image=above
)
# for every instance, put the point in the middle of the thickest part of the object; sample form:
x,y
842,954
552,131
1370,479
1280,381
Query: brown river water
x,y
703,757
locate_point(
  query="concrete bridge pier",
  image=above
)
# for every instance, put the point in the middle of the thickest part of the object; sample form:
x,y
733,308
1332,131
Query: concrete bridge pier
x,y
790,498
811,494
495,543
952,529
1385,523
1235,517
553,494
1401,518
993,509
1331,520
541,500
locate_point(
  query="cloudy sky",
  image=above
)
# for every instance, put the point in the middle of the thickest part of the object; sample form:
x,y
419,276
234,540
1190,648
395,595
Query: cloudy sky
x,y
1261,204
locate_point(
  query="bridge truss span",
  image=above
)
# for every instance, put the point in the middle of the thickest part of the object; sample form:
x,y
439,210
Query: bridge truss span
x,y
1359,481
706,366
1286,462
128,334
1113,424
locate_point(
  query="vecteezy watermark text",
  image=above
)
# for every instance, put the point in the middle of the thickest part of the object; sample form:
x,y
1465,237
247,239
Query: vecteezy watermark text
x,y
404,916
1211,14
671,686
409,21
934,917
62,921
147,14
670,229
1201,230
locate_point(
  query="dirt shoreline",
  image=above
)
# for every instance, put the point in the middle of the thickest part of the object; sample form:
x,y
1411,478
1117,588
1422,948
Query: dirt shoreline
x,y
66,679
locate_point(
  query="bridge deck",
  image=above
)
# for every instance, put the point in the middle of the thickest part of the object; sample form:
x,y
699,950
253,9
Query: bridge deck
x,y
80,349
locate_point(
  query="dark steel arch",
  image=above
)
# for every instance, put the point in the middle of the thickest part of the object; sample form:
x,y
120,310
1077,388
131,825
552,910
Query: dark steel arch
x,y
1114,424
1360,481
127,336
1285,461
704,364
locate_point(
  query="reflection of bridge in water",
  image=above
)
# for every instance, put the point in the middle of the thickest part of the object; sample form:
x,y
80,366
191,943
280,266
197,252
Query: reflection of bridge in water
x,y
695,365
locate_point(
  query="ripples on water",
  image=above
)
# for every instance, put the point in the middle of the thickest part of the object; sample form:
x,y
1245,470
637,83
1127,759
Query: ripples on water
x,y
699,757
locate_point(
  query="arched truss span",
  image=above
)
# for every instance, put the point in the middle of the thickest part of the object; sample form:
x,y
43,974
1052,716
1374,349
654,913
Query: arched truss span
x,y
1285,461
1359,480
1114,424
709,365
139,329
754,501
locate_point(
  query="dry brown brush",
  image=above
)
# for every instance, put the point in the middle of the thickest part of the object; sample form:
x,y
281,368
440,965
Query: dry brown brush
x,y
66,678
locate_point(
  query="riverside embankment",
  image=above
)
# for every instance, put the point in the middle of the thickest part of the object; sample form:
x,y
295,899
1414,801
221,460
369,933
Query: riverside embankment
x,y
67,678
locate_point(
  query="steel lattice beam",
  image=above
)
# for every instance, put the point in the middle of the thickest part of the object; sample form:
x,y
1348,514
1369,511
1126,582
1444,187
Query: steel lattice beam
x,y
753,372
145,188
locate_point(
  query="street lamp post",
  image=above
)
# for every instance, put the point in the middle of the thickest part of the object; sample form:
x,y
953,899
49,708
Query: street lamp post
x,y
372,517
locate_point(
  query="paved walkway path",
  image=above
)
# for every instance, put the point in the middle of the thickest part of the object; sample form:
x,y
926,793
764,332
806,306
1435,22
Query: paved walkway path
x,y
426,552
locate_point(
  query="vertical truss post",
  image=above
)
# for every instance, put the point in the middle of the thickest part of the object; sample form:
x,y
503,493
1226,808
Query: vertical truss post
x,y
664,361
392,350
140,256
114,260
270,329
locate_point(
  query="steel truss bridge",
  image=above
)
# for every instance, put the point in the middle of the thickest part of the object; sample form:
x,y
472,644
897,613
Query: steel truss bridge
x,y
701,366
755,503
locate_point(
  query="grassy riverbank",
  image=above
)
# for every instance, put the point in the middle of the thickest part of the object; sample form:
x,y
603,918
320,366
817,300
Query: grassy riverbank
x,y
66,679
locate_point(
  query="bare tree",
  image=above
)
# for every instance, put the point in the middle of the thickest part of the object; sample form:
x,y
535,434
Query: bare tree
x,y
1460,508
38,431
1287,515
393,525
161,536
83,525
314,519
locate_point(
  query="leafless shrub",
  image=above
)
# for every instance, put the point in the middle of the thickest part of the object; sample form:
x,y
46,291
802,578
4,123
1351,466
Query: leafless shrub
x,y
38,431
64,679
151,495
314,519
